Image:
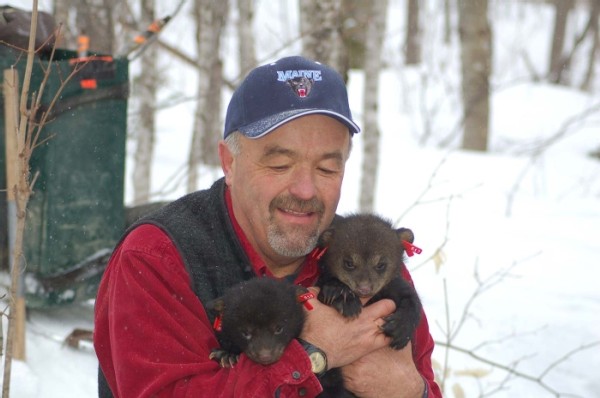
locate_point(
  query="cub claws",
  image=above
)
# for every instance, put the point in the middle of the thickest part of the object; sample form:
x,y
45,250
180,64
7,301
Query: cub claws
x,y
400,332
224,358
342,299
350,308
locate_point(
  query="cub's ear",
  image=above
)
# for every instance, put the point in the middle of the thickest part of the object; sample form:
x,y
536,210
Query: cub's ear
x,y
405,234
326,237
216,306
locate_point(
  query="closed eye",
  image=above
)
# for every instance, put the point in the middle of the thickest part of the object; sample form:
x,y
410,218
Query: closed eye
x,y
328,171
331,165
279,168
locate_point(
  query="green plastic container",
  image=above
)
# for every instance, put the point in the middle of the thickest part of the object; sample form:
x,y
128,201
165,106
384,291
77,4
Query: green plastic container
x,y
76,213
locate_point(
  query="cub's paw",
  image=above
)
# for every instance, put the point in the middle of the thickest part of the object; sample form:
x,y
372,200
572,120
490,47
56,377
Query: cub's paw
x,y
350,306
224,358
330,294
341,298
398,330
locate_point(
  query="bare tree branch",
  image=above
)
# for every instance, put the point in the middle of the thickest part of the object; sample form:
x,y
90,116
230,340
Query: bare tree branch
x,y
511,369
27,131
537,149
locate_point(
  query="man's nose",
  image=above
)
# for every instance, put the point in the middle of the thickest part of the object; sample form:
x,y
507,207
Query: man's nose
x,y
303,184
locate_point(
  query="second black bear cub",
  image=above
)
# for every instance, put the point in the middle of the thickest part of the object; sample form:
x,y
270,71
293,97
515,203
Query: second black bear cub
x,y
258,317
363,259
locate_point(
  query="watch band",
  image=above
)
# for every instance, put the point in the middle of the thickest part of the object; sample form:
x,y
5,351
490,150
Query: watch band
x,y
318,358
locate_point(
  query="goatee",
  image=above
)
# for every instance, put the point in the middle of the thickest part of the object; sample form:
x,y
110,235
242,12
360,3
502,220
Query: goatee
x,y
294,241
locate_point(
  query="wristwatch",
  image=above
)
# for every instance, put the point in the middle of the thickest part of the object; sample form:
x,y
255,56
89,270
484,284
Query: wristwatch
x,y
318,359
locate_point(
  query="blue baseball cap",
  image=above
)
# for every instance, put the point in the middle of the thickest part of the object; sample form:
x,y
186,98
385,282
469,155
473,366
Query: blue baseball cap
x,y
274,94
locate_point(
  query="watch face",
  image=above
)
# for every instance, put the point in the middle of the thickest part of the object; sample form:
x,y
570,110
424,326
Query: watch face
x,y
317,361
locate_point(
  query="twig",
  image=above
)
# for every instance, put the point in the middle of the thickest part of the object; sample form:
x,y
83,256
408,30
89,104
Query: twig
x,y
512,368
425,190
450,330
21,193
27,131
540,148
438,252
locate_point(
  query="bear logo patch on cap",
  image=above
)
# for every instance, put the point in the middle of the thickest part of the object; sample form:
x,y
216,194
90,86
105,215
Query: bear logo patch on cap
x,y
301,86
301,81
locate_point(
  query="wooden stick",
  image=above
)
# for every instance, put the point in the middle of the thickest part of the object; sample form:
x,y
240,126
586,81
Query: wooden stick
x,y
11,99
11,92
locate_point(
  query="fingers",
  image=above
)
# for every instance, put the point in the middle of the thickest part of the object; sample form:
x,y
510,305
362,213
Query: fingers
x,y
343,339
380,309
315,290
376,311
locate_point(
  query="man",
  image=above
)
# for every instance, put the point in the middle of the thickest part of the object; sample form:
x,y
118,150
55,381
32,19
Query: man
x,y
287,137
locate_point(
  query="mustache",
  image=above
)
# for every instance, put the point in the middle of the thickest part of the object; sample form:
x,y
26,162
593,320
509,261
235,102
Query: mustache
x,y
292,203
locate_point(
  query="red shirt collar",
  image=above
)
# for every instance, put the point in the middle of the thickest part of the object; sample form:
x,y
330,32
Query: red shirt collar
x,y
308,273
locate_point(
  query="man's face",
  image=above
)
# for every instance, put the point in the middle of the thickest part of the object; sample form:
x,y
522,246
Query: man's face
x,y
286,185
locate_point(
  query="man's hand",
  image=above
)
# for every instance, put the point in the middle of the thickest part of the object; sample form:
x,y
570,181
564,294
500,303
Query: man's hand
x,y
345,340
391,373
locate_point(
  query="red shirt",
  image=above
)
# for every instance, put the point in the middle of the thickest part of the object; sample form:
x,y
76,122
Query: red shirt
x,y
153,338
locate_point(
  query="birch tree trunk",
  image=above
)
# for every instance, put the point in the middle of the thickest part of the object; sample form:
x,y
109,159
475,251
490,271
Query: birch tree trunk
x,y
355,14
412,44
476,56
62,12
146,87
95,18
98,19
370,135
562,9
563,69
246,36
586,84
447,22
211,17
320,22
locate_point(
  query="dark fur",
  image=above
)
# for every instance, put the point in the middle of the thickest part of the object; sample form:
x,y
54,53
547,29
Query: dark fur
x,y
259,318
364,258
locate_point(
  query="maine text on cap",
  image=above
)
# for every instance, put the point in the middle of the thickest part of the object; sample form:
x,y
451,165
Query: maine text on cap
x,y
284,76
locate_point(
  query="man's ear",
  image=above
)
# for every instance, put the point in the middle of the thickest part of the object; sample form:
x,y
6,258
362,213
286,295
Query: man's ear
x,y
226,161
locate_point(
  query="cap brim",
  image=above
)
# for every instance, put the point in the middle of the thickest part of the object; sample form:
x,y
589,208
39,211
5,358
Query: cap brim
x,y
265,126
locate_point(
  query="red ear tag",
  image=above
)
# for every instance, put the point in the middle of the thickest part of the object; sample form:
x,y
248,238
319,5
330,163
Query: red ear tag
x,y
318,252
304,297
218,323
410,248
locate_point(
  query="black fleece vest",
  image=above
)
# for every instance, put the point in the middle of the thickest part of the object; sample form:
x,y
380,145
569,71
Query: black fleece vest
x,y
200,227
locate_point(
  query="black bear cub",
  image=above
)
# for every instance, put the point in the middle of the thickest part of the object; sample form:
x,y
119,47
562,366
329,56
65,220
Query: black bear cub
x,y
258,317
363,259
